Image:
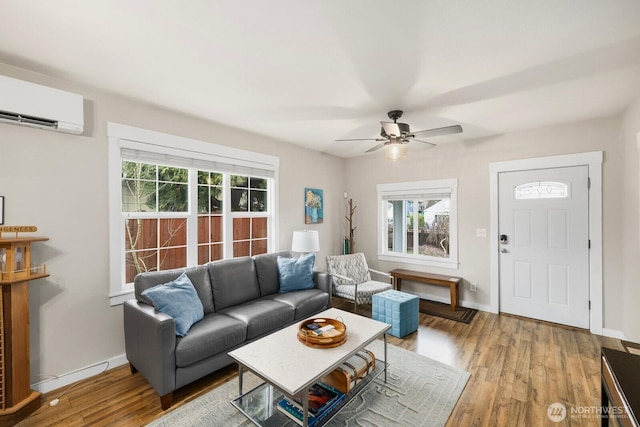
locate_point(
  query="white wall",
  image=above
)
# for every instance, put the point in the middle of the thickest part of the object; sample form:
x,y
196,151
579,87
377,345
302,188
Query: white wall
x,y
630,221
469,162
58,182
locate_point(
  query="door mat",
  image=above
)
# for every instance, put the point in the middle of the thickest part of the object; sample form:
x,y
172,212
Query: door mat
x,y
462,314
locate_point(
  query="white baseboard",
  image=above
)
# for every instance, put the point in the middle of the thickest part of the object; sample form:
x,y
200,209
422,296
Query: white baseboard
x,y
613,333
78,375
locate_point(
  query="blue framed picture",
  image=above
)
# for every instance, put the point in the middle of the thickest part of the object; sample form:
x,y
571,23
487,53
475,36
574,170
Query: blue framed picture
x,y
313,206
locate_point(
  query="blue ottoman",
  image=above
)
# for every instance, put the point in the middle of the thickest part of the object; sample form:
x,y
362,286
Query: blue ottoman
x,y
398,309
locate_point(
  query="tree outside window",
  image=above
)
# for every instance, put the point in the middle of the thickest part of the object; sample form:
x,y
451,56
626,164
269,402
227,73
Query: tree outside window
x,y
155,199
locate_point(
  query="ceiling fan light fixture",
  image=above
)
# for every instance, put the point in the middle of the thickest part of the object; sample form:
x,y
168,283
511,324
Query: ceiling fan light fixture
x,y
395,152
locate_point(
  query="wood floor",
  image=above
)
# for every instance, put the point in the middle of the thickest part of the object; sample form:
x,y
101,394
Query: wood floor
x,y
518,368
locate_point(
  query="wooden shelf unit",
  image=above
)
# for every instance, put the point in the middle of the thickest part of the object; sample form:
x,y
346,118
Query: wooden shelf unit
x,y
17,400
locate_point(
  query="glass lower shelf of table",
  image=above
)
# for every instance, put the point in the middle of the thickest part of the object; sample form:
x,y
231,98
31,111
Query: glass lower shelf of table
x,y
260,404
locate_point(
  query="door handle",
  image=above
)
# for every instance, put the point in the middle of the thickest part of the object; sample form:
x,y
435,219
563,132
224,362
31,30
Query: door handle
x,y
503,250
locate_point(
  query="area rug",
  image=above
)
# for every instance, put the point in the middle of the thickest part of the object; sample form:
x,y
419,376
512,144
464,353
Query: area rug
x,y
462,314
419,392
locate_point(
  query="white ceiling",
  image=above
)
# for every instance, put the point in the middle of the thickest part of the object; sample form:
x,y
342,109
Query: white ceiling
x,y
310,72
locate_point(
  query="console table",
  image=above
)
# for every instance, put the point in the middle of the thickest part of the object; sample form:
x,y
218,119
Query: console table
x,y
398,275
620,387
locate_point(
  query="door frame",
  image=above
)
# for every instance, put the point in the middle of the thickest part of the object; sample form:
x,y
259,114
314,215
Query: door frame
x,y
593,160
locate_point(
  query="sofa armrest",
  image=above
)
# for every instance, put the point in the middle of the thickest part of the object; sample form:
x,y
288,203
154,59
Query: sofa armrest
x,y
323,282
150,342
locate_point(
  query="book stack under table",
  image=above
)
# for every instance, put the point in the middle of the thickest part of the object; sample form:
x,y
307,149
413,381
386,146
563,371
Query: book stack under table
x,y
327,394
322,399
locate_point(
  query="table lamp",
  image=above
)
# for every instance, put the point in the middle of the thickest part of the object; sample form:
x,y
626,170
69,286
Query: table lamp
x,y
305,241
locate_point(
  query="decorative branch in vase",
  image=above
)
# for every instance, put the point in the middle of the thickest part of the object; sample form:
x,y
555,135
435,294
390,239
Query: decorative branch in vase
x,y
350,247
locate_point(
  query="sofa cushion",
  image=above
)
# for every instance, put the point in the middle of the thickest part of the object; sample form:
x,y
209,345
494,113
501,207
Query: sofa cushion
x,y
199,277
267,269
179,300
212,335
296,273
261,316
233,282
306,303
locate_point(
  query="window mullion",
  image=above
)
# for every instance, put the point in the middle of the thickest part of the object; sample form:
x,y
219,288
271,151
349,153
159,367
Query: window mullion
x,y
192,218
416,228
227,232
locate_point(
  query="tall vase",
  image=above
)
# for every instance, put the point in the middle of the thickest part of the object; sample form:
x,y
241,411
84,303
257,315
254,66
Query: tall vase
x,y
314,214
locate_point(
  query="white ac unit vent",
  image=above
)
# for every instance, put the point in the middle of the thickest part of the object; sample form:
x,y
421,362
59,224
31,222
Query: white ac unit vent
x,y
31,104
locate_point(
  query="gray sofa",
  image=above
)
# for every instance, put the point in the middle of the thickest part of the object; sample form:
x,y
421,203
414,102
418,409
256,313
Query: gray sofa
x,y
241,302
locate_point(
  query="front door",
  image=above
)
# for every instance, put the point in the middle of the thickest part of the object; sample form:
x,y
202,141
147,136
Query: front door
x,y
544,244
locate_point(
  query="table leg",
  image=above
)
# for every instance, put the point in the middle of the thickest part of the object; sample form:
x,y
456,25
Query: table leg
x,y
385,357
305,409
240,369
398,283
453,294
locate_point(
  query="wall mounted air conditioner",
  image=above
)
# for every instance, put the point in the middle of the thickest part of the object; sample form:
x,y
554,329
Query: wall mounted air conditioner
x,y
30,104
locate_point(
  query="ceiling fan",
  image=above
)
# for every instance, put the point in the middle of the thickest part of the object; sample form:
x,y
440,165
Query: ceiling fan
x,y
395,135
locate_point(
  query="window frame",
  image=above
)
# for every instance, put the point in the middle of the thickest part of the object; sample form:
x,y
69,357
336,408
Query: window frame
x,y
196,155
404,190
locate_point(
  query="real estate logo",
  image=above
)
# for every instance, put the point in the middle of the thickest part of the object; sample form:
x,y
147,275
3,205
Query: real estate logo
x,y
557,412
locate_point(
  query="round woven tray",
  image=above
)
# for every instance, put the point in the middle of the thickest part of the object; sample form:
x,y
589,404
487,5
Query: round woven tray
x,y
333,338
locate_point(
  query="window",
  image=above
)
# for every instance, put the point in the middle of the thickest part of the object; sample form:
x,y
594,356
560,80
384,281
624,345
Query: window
x,y
418,223
177,202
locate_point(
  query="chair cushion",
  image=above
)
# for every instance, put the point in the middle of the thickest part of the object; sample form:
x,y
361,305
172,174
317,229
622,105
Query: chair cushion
x,y
296,273
353,266
179,300
212,335
365,290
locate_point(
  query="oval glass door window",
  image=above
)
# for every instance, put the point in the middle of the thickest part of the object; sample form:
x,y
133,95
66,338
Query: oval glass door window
x,y
542,190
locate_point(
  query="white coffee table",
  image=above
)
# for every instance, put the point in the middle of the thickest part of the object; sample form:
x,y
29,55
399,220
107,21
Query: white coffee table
x,y
291,367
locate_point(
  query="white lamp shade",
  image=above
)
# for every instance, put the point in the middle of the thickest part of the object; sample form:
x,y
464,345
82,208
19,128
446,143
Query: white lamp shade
x,y
305,241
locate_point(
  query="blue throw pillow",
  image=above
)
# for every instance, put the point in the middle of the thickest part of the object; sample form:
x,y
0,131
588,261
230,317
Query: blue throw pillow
x,y
179,300
296,273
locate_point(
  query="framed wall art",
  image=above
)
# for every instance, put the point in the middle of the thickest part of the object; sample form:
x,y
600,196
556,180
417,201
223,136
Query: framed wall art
x,y
1,210
313,206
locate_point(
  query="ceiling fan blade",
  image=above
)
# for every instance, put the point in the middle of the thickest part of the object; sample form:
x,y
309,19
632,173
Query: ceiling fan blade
x,y
431,145
377,147
447,130
362,139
